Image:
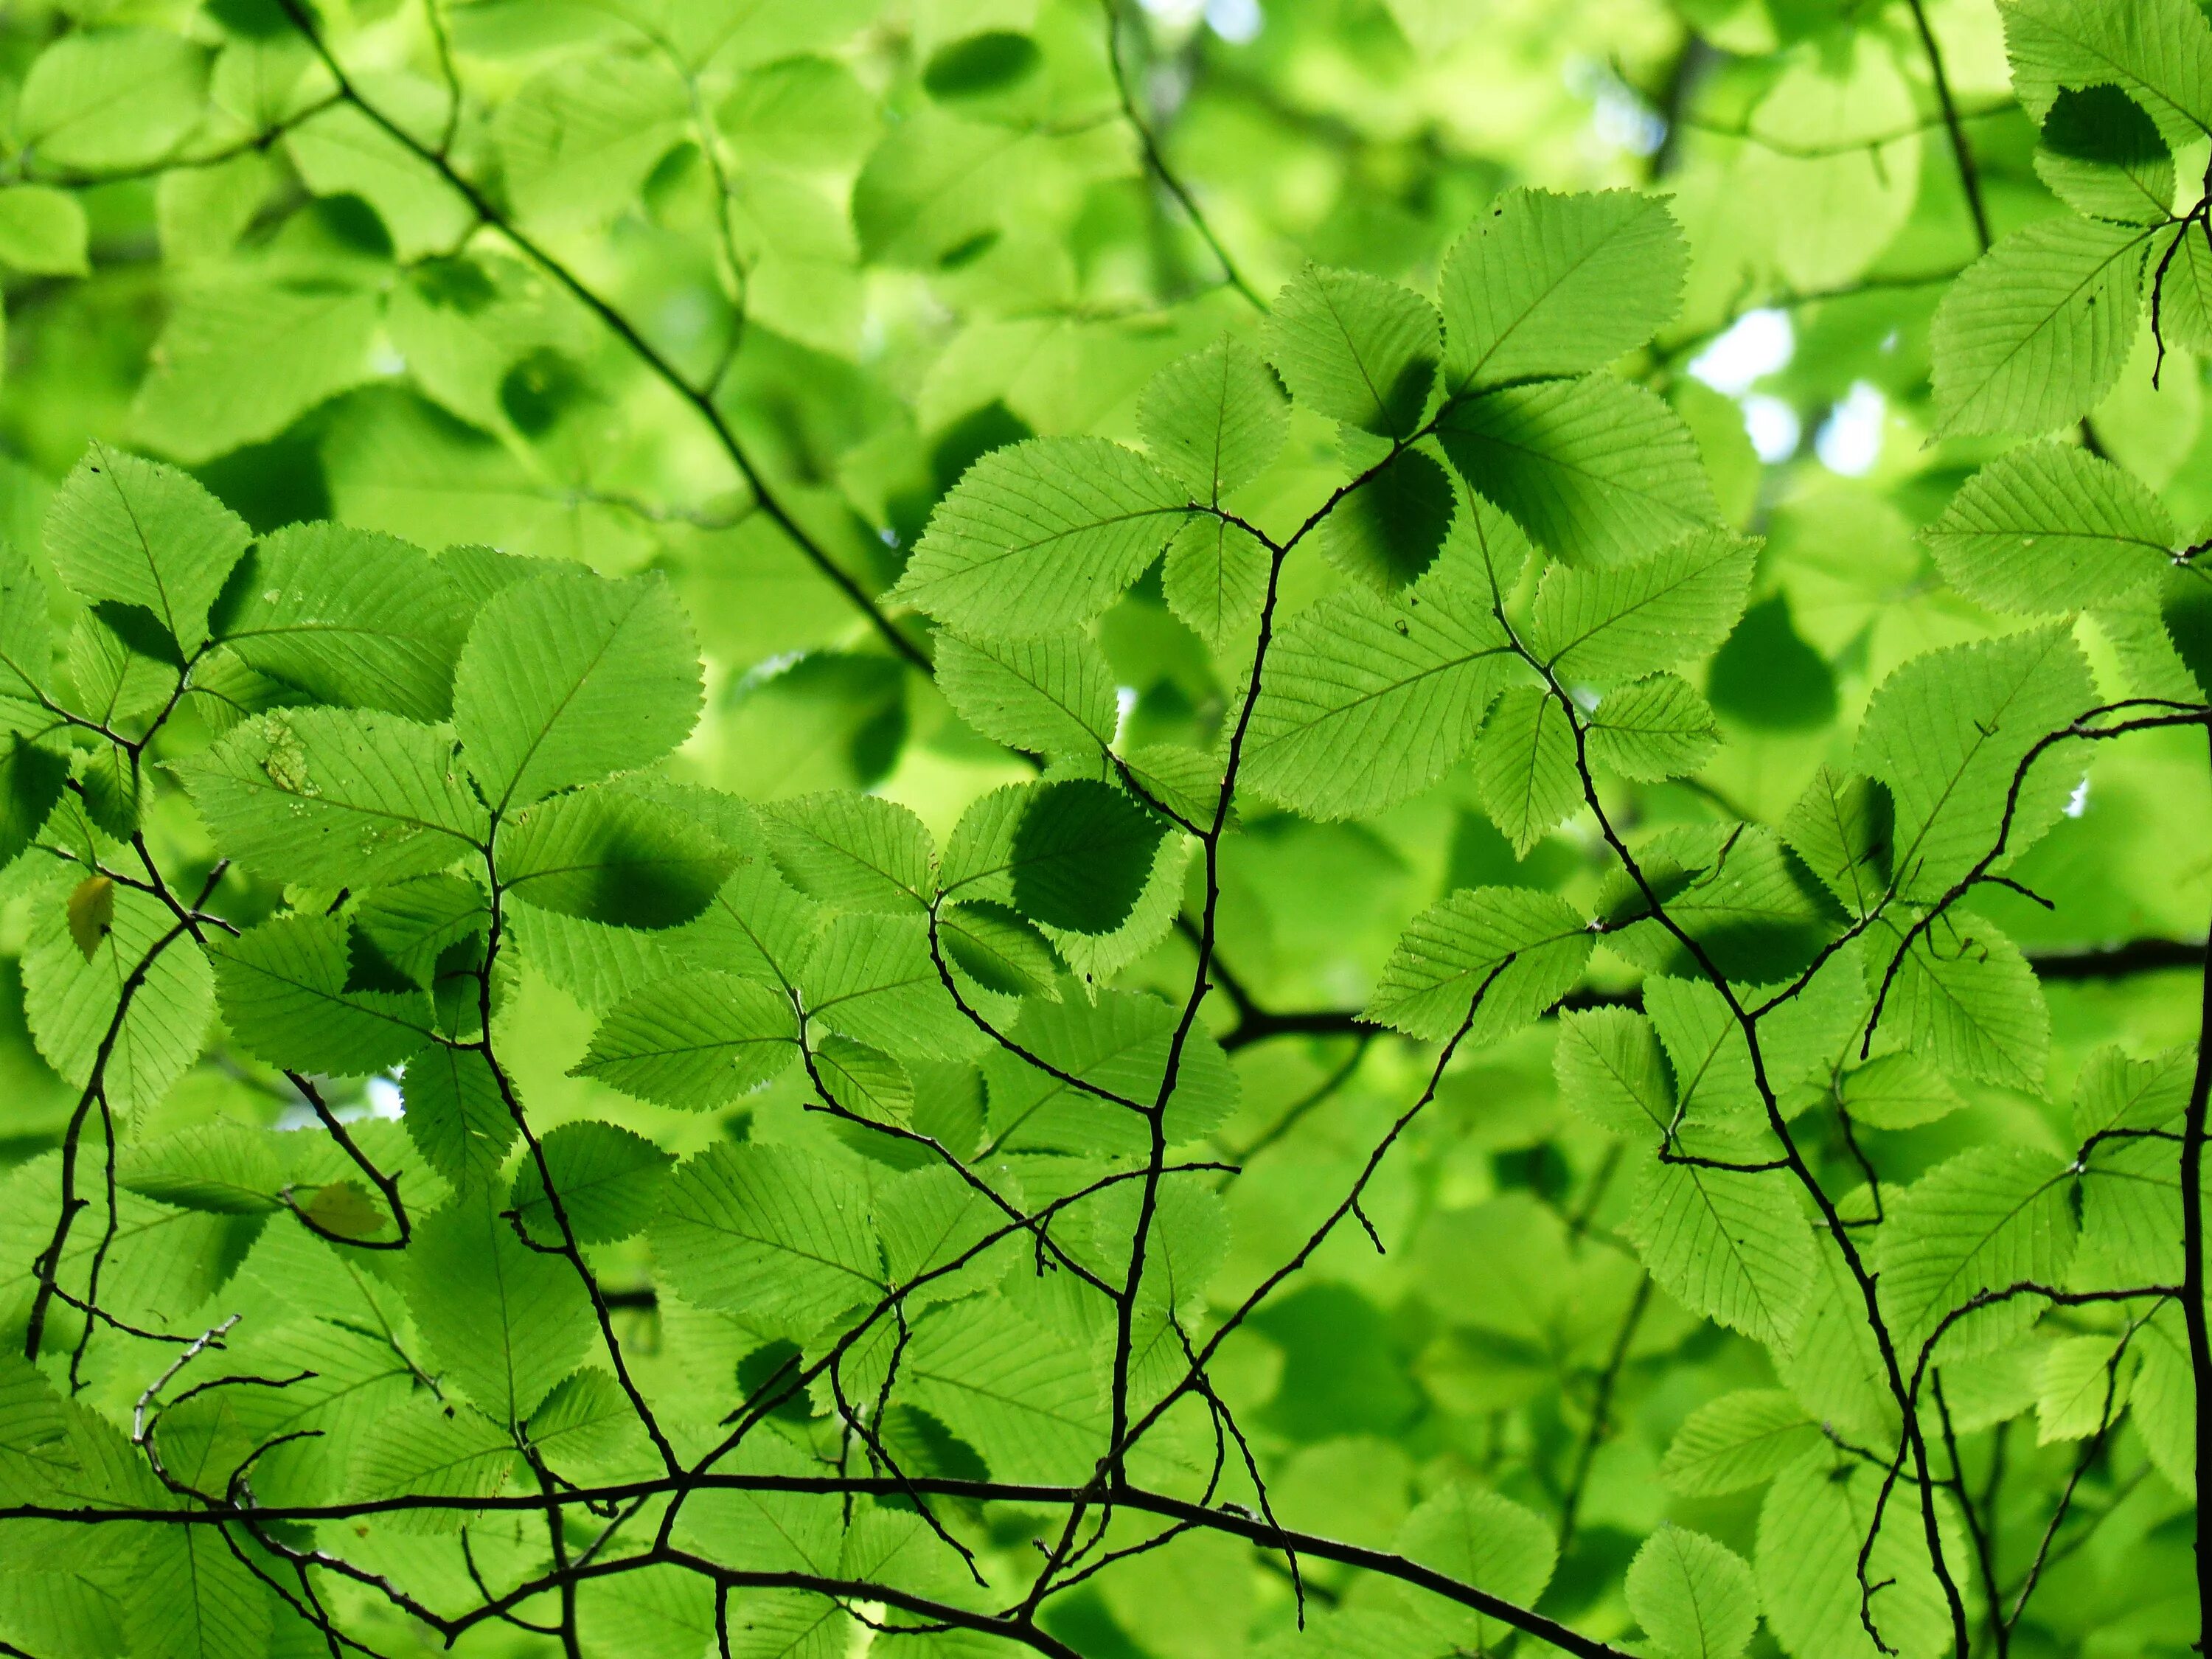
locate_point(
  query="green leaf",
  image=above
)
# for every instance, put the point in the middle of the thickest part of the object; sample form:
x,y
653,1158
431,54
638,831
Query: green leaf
x,y
1367,701
998,950
1948,732
1215,578
27,648
421,1447
190,1597
1610,1068
1991,1217
1843,827
1896,1092
871,978
1051,695
1810,1586
1355,348
2157,52
608,1178
42,231
2184,294
567,677
852,851
507,1322
577,141
2116,1092
110,99
606,856
334,796
1552,285
2051,527
290,997
1595,470
1026,1399
31,780
222,1167
1740,1440
773,1235
1732,1246
2101,156
456,1115
141,534
2038,330
1966,997
695,1042
1653,728
1480,1539
1214,419
240,361
342,615
1388,529
1694,1597
1627,620
1527,948
69,1002
1041,536
1525,771
1081,856
1119,1044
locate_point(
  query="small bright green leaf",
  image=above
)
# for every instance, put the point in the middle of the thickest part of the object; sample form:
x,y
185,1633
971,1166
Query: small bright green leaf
x,y
142,534
1052,694
1356,349
507,1322
1740,1440
1625,620
1388,531
608,856
1519,951
567,677
289,997
1653,728
1696,1598
608,1179
1041,536
1526,770
1548,285
2103,156
1214,419
2051,527
695,1042
1596,470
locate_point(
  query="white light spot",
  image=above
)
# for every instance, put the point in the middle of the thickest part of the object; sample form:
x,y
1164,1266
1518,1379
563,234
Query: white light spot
x,y
1125,704
383,1095
2078,802
1755,345
1234,21
383,360
1850,440
1773,426
1176,14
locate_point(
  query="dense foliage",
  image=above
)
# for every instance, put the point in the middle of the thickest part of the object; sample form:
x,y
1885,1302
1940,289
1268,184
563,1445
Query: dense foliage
x,y
1333,829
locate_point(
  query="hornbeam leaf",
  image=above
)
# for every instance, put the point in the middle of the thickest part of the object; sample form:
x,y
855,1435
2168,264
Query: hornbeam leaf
x,y
1732,1246
1653,728
1356,349
608,856
141,534
288,998
1625,620
2038,330
1525,771
1215,419
1811,1587
1041,536
1991,1217
342,615
506,1321
2103,156
1550,285
333,796
567,677
1595,470
1081,856
1949,733
777,1236
1366,701
1052,694
609,1180
1520,951
1482,1539
2157,52
1740,1440
695,1042
2051,527
1695,1597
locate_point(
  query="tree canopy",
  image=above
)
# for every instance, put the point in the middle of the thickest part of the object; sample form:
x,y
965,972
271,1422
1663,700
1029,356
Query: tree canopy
x,y
1275,828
